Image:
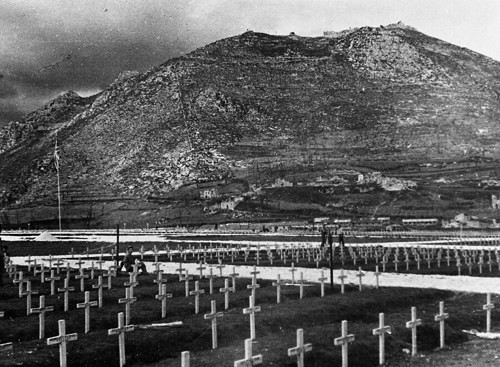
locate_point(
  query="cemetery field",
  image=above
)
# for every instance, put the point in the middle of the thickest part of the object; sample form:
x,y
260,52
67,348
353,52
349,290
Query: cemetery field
x,y
275,324
164,329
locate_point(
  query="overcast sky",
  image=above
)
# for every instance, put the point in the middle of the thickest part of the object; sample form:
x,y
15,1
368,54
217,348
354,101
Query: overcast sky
x,y
48,47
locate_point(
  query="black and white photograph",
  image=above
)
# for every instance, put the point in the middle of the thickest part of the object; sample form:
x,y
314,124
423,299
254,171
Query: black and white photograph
x,y
241,183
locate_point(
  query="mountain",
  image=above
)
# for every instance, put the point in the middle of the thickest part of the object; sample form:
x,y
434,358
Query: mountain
x,y
244,111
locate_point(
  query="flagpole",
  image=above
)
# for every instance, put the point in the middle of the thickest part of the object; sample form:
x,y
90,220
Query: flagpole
x,y
59,199
56,163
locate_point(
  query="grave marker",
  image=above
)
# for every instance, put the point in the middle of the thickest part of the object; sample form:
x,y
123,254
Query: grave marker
x,y
86,305
213,316
488,307
251,310
66,289
278,285
41,317
413,326
120,331
381,331
128,300
62,339
300,349
162,296
226,291
196,293
250,359
344,341
441,317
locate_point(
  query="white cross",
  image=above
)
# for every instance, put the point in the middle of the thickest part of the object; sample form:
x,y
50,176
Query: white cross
x,y
201,268
301,285
196,293
28,294
213,316
211,277
20,280
120,331
441,317
41,317
186,279
52,279
132,282
413,326
82,276
220,267
185,359
226,291
62,339
322,280
360,275
250,359
251,310
99,286
488,307
66,289
342,277
253,286
128,300
159,279
300,349
162,296
233,277
86,305
344,341
278,285
381,331
293,270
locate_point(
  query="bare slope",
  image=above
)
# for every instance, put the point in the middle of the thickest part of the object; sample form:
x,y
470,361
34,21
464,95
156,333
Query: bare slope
x,y
254,102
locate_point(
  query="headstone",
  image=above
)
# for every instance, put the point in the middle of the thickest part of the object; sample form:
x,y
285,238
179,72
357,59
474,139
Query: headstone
x,y
381,331
41,317
300,349
62,339
213,316
86,305
440,318
251,310
344,341
412,324
250,359
120,331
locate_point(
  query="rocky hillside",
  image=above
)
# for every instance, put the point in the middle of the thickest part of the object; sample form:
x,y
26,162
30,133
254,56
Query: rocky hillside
x,y
255,107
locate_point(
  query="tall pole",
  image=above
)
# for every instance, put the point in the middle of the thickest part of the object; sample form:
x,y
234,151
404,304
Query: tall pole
x,y
117,257
56,163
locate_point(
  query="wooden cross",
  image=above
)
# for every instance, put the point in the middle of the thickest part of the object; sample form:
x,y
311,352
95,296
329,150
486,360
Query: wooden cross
x,y
344,341
82,278
110,274
226,291
79,263
120,331
413,326
162,296
28,294
160,280
62,339
132,282
342,277
186,279
196,293
322,281
441,317
52,279
201,268
220,267
381,331
128,300
100,262
360,275
20,280
251,310
488,307
213,316
86,305
42,273
41,317
301,285
233,277
99,286
29,261
377,274
253,287
211,277
278,283
66,289
300,349
255,272
293,270
250,359
185,359
180,270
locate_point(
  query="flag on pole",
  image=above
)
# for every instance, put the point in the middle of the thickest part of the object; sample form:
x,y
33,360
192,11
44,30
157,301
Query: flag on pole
x,y
56,157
